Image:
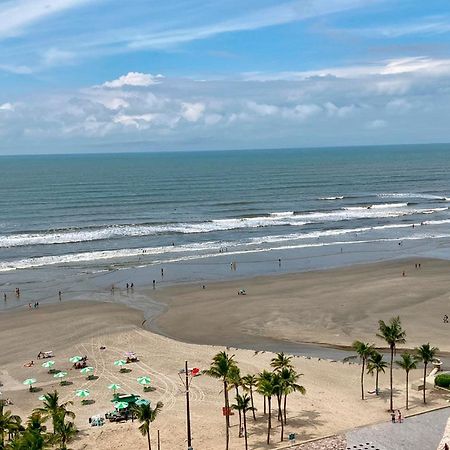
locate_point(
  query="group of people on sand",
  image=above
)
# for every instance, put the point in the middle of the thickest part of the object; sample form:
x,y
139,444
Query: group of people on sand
x,y
35,305
396,417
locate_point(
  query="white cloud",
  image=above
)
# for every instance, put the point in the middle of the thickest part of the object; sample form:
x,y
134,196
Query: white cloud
x,y
16,15
192,111
7,107
134,79
398,106
420,65
376,124
137,121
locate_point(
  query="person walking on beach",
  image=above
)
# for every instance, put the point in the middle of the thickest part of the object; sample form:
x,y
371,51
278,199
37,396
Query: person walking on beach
x,y
4,297
162,272
59,295
393,417
154,284
399,416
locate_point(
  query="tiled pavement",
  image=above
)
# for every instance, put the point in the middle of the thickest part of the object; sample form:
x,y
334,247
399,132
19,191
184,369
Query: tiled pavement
x,y
422,432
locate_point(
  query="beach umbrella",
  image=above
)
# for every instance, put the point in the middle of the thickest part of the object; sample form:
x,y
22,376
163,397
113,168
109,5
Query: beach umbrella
x,y
82,393
120,363
48,364
30,382
120,405
42,398
60,375
142,401
114,387
144,381
75,359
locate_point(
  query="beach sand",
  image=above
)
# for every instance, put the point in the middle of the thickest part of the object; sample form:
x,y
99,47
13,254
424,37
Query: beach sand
x,y
332,402
333,306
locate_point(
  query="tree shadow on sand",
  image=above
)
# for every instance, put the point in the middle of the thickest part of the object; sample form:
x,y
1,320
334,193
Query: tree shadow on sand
x,y
295,424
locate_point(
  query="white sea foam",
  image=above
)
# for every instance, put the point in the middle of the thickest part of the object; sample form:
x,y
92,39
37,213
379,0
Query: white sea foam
x,y
410,195
287,218
338,197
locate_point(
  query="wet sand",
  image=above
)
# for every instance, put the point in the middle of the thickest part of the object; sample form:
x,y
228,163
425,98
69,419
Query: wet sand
x,y
332,307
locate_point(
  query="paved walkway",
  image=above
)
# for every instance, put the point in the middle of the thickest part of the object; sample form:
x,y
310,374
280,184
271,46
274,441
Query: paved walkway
x,y
423,432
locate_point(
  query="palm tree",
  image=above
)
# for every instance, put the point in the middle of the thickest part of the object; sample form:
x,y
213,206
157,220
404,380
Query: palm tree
x,y
220,368
268,376
243,404
267,387
8,423
289,378
146,415
64,431
364,351
393,334
281,361
407,363
376,364
53,409
234,380
248,383
426,354
35,437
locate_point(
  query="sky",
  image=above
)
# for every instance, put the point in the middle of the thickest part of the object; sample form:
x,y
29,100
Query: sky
x,y
146,75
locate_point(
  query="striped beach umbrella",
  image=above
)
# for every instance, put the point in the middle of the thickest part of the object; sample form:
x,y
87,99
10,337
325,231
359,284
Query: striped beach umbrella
x,y
30,382
60,375
114,387
82,393
120,405
144,381
75,359
48,364
120,363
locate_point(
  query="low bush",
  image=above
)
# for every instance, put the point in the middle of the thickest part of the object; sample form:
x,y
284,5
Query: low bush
x,y
443,380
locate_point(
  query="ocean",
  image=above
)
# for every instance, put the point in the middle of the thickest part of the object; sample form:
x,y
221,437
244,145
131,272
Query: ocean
x,y
108,218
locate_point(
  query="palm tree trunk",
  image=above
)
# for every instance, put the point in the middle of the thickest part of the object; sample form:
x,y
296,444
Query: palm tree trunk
x,y
269,422
253,406
240,414
245,430
227,417
280,413
362,378
390,376
376,383
407,384
148,439
265,410
282,420
424,381
284,408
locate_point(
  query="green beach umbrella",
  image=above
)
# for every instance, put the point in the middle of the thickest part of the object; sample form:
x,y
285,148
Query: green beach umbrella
x,y
114,387
86,370
42,398
144,381
60,375
142,401
30,382
120,363
82,393
120,405
48,364
75,359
